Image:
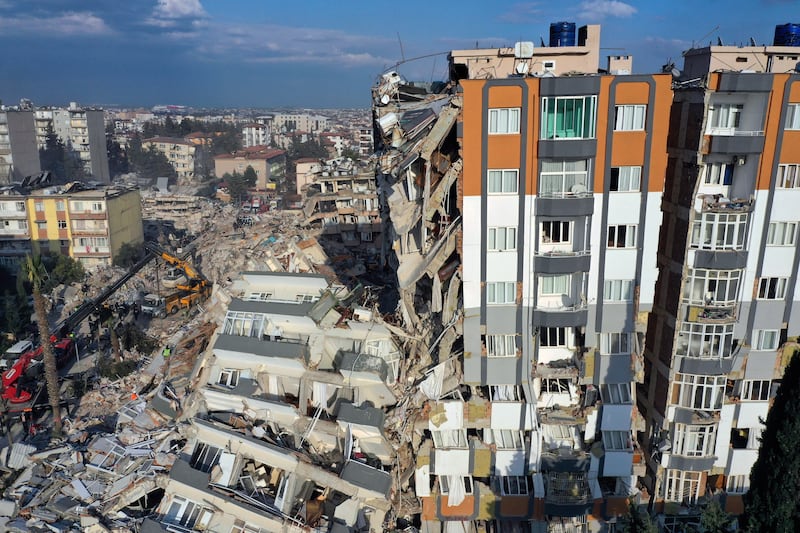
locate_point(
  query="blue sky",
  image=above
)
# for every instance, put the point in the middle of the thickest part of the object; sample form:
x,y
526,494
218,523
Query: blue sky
x,y
318,53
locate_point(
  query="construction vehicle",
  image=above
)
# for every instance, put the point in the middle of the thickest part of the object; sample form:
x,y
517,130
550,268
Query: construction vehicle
x,y
161,306
195,288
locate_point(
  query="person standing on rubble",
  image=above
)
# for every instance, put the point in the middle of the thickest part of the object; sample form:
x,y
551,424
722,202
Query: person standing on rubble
x,y
167,351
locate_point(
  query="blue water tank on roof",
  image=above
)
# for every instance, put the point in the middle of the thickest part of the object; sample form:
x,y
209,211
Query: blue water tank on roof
x,y
787,35
562,34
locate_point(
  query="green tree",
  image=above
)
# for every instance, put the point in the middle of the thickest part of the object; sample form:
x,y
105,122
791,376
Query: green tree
x,y
237,187
714,518
12,316
636,521
36,274
250,176
117,158
350,153
63,270
148,163
773,501
51,157
127,255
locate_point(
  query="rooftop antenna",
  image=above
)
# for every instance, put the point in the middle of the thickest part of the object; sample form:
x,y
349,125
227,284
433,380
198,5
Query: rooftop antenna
x,y
704,36
719,41
752,42
402,53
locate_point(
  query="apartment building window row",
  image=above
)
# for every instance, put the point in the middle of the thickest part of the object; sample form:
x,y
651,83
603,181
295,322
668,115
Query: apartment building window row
x,y
625,179
449,438
502,181
711,287
766,339
501,238
505,439
788,176
781,233
756,390
91,242
501,292
698,391
616,393
772,288
514,485
245,324
694,441
793,117
705,341
504,120
15,224
615,343
569,117
618,290
563,178
629,117
12,207
719,231
725,116
622,236
554,285
501,346
553,337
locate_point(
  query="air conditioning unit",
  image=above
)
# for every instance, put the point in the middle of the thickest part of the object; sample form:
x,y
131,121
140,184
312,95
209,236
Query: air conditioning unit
x,y
740,160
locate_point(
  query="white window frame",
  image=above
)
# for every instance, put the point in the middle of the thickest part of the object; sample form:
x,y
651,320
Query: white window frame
x,y
788,176
766,339
513,485
583,126
738,484
501,292
502,181
756,390
505,393
505,439
772,288
618,441
563,178
707,287
449,438
625,179
616,393
705,341
38,206
187,513
694,440
782,234
616,343
618,290
444,489
501,345
719,231
504,121
718,173
556,386
555,284
700,391
630,117
725,116
621,236
682,485
792,117
501,238
229,377
553,337
556,232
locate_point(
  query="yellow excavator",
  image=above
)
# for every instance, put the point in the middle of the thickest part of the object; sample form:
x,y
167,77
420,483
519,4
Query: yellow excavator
x,y
188,293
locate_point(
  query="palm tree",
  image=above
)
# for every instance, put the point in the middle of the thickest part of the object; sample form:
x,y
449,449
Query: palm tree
x,y
35,272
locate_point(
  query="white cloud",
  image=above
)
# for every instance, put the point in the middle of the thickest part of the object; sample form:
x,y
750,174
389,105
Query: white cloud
x,y
169,13
66,24
598,9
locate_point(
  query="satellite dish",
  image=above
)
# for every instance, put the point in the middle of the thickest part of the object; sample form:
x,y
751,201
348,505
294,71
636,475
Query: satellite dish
x,y
675,73
521,68
797,67
578,188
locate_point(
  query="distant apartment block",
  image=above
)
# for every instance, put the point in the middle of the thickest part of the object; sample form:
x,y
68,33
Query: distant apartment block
x,y
364,140
179,152
256,134
268,163
19,153
300,122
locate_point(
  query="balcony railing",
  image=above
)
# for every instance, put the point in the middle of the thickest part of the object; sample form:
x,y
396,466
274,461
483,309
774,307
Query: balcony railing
x,y
718,203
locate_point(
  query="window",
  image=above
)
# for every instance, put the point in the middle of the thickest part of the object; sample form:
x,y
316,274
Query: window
x,y
204,457
568,117
719,231
501,346
500,239
556,232
738,484
505,439
793,117
705,341
228,377
502,181
718,174
244,324
504,120
682,486
514,485
240,526
259,296
505,393
788,177
617,440
756,390
715,288
564,178
772,288
629,117
62,224
699,392
188,514
781,233
622,236
694,441
501,292
38,206
366,236
615,393
41,224
726,116
618,290
60,205
305,298
615,343
552,337
444,485
556,385
765,339
97,206
625,179
554,285
450,438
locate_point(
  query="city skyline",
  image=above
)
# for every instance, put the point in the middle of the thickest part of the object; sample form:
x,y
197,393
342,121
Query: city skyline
x,y
207,53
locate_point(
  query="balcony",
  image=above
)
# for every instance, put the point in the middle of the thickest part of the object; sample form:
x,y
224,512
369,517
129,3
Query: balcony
x,y
735,141
561,261
566,311
716,203
90,251
88,215
566,204
711,314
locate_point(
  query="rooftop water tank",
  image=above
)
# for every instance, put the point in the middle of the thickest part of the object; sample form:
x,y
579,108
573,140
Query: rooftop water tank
x,y
786,35
562,34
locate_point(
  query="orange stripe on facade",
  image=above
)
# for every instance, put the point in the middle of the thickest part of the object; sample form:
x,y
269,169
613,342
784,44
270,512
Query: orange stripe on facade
x,y
471,141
